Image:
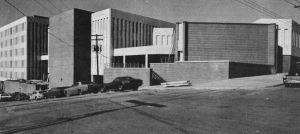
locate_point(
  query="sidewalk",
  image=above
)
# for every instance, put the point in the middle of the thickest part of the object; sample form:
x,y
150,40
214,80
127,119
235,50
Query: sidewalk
x,y
254,82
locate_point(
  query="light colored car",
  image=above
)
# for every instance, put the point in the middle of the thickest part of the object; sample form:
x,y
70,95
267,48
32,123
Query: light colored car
x,y
5,97
81,87
37,95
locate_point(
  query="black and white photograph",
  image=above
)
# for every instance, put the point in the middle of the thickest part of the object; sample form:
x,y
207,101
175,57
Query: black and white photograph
x,y
149,66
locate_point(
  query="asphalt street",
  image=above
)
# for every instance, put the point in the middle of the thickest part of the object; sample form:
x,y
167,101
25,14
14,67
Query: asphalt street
x,y
273,110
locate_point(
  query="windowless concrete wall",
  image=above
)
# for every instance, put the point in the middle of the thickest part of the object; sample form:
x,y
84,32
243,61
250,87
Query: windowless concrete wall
x,y
69,48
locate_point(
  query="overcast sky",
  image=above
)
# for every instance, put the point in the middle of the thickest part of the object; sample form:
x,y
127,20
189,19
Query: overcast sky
x,y
168,10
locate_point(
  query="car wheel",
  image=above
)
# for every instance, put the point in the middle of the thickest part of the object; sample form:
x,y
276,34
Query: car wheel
x,y
79,92
67,94
135,88
102,89
121,87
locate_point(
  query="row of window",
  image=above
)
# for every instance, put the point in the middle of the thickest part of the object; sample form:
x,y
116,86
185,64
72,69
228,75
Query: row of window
x,y
127,33
163,40
13,41
295,39
15,75
12,30
16,63
11,53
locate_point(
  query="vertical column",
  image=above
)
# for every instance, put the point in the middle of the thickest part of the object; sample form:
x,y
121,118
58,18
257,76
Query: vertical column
x,y
123,34
128,34
142,35
124,61
175,40
145,34
184,39
134,33
120,34
146,61
137,35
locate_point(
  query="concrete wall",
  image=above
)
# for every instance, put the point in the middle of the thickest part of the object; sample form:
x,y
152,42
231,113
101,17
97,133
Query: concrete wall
x,y
141,73
196,72
246,43
69,48
205,71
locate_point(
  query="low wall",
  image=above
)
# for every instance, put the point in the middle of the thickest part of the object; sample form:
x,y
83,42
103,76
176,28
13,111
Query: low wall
x,y
195,71
205,71
141,73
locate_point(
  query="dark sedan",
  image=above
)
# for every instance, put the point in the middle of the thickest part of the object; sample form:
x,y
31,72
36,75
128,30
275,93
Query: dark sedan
x,y
55,92
122,83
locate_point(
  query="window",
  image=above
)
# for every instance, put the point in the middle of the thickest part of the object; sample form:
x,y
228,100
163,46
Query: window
x,y
16,52
16,40
23,26
23,39
16,63
162,39
22,64
23,52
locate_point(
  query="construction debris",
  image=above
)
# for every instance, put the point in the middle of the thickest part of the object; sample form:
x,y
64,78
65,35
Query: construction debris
x,y
177,83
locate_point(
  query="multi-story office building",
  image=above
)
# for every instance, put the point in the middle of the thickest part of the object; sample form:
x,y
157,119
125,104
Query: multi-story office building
x,y
22,44
288,39
128,39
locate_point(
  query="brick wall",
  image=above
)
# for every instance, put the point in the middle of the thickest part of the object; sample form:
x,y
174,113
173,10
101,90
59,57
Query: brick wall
x,y
247,43
141,73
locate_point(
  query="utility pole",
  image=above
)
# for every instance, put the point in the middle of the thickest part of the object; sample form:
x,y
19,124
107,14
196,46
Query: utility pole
x,y
97,49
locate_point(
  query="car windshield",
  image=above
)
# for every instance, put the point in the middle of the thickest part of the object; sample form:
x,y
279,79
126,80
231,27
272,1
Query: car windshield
x,y
86,82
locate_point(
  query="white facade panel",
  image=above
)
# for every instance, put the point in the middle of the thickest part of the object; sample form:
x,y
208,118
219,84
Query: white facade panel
x,y
284,33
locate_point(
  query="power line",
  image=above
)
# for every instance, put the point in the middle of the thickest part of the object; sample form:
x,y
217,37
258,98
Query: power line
x,y
265,9
259,10
54,6
32,20
64,4
44,7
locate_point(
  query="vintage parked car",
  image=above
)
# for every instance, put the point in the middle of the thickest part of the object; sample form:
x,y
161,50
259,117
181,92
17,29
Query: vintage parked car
x,y
36,95
19,96
5,97
55,92
293,76
82,87
122,83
